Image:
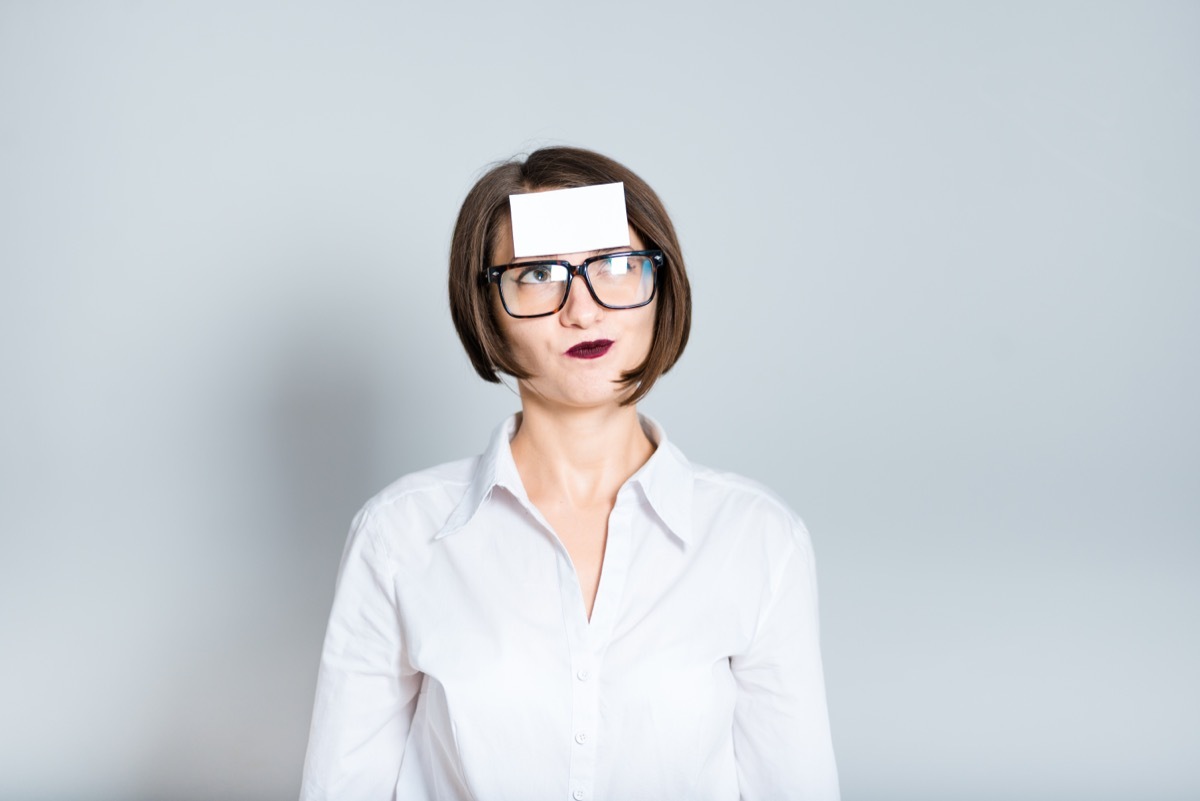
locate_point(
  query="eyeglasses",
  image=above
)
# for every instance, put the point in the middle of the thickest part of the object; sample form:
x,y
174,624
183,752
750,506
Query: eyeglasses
x,y
623,280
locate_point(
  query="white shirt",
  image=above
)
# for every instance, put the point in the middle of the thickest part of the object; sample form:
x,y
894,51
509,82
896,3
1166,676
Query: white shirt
x,y
459,662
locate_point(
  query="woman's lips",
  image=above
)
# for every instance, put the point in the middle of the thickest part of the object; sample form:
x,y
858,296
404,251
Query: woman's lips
x,y
590,350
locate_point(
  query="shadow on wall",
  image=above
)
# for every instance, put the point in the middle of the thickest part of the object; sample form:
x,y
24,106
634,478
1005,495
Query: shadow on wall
x,y
234,713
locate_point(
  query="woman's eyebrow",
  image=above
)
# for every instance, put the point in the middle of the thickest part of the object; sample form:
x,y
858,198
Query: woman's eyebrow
x,y
535,260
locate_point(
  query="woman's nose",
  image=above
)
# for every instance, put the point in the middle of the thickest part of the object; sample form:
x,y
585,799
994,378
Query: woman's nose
x,y
581,309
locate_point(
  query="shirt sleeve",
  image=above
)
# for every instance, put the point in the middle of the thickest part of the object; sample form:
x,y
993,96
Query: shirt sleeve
x,y
781,732
366,692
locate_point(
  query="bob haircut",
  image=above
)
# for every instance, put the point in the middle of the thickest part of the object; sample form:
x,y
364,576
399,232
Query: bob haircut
x,y
483,219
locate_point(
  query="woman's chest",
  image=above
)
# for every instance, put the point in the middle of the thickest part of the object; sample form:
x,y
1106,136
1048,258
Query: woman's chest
x,y
502,615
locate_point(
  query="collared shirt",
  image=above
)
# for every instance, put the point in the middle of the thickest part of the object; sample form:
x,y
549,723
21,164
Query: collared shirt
x,y
460,663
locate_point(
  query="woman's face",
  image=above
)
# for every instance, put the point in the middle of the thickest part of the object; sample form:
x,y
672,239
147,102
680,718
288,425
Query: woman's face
x,y
565,368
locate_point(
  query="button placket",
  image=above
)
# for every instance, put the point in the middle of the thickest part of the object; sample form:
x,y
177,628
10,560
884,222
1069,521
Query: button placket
x,y
585,708
588,642
584,700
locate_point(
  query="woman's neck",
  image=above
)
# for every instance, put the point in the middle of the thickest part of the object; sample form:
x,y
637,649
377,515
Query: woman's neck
x,y
580,457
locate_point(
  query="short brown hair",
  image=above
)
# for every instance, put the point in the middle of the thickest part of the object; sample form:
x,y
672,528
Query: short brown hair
x,y
482,219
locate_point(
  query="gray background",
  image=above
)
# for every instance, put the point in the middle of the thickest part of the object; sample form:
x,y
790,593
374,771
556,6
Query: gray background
x,y
946,262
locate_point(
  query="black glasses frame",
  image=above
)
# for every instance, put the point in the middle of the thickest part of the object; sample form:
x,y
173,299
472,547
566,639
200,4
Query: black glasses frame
x,y
491,275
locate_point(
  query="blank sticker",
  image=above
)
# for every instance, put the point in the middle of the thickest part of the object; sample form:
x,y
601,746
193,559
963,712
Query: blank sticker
x,y
569,220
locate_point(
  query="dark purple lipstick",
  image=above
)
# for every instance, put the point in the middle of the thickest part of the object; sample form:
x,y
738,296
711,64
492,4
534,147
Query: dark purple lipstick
x,y
590,350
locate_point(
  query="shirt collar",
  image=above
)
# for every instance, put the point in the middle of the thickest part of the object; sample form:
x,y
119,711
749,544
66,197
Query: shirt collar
x,y
494,468
665,480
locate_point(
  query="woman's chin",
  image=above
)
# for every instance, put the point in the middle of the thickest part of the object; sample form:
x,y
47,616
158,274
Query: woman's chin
x,y
578,396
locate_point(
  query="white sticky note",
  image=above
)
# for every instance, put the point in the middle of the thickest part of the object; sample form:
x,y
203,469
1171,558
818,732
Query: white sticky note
x,y
569,220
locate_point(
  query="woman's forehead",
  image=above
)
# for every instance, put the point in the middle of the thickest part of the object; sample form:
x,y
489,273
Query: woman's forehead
x,y
503,248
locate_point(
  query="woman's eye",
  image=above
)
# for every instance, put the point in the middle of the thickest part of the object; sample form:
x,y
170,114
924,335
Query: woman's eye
x,y
534,275
616,267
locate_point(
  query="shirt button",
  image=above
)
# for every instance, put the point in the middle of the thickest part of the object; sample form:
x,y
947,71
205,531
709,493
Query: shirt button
x,y
578,795
584,674
581,738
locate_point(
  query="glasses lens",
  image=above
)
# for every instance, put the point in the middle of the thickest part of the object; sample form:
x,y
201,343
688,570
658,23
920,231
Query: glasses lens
x,y
533,288
622,280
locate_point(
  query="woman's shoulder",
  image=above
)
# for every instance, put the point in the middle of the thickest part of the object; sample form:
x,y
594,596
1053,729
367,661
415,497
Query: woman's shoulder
x,y
729,487
415,486
419,503
732,500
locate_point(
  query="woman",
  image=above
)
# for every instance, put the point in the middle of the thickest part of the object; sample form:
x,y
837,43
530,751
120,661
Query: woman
x,y
579,613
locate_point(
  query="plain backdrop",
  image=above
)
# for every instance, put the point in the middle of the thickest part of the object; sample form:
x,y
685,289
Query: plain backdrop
x,y
946,261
